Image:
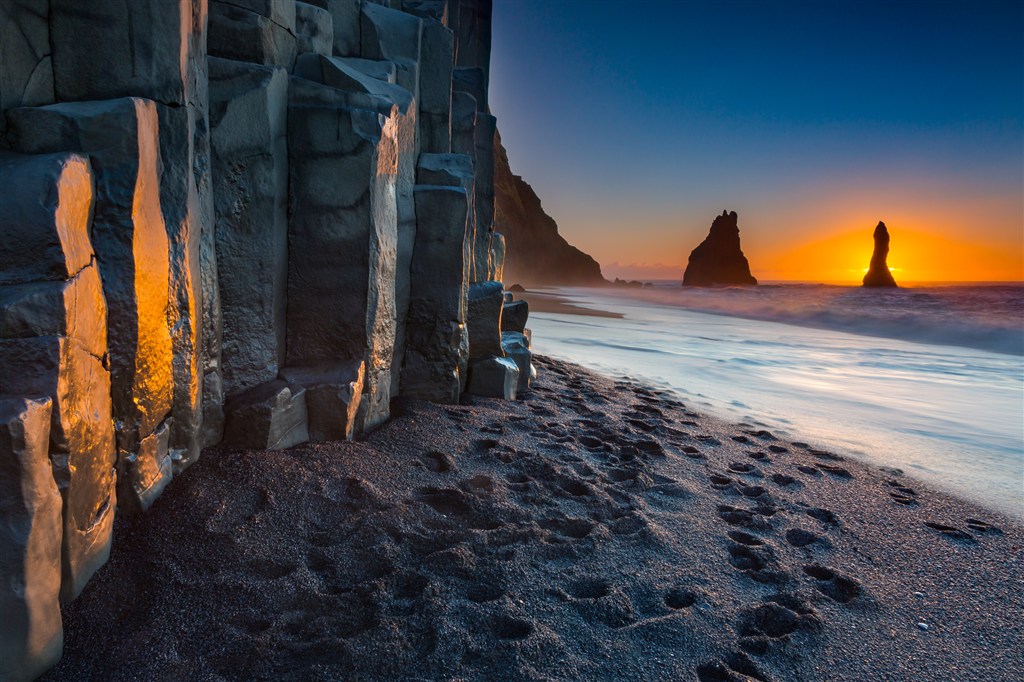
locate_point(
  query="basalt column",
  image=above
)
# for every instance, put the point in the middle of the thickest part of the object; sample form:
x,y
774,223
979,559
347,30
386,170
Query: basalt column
x,y
53,344
157,51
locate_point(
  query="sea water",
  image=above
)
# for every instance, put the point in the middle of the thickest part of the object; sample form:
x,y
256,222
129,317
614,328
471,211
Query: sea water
x,y
929,380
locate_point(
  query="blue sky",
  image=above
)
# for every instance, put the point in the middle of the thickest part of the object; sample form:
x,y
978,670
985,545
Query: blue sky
x,y
637,122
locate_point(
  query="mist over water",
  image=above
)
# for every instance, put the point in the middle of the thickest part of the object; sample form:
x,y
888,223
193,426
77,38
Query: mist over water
x,y
932,383
985,317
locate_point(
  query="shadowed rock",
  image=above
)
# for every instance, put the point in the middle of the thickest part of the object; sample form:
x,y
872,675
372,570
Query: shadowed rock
x,y
878,275
534,251
719,260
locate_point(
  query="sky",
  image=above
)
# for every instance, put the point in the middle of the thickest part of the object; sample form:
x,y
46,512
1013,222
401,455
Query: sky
x,y
638,122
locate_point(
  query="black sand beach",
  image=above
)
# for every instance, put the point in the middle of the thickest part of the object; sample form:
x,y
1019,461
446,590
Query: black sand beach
x,y
592,530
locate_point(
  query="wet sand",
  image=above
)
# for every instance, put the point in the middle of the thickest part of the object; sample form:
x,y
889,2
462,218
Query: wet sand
x,y
594,529
544,302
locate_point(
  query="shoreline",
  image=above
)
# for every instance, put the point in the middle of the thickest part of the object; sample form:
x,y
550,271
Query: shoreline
x,y
594,529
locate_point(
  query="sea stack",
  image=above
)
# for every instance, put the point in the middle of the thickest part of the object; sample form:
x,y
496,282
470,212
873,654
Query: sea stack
x,y
878,273
719,260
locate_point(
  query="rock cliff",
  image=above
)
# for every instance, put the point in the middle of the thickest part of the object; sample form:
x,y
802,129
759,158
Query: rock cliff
x,y
719,260
534,251
249,223
878,275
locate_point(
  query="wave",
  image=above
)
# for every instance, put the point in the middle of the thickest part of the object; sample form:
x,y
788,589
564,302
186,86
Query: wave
x,y
987,318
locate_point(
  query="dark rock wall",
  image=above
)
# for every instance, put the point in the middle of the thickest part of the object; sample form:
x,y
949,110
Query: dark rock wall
x,y
534,252
240,222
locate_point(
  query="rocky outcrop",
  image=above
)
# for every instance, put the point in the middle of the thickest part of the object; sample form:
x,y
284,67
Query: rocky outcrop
x,y
241,222
878,275
719,260
535,254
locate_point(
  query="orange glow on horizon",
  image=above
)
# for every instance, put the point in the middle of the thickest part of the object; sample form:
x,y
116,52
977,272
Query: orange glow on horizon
x,y
823,234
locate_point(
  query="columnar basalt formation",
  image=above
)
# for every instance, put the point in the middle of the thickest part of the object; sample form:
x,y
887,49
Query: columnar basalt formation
x,y
878,275
719,260
241,222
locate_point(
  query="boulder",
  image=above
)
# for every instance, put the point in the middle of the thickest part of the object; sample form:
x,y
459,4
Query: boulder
x,y
314,29
142,475
31,633
878,274
719,260
517,349
82,450
263,33
333,395
44,216
129,239
26,67
435,358
271,416
494,378
484,303
514,316
248,114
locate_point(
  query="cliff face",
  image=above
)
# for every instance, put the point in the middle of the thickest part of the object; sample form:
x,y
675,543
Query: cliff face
x,y
719,260
241,222
534,251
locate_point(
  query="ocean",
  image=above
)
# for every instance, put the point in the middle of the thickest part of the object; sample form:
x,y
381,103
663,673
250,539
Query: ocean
x,y
927,379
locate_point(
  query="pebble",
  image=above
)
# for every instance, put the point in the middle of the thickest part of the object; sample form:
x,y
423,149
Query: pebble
x,y
923,626
919,594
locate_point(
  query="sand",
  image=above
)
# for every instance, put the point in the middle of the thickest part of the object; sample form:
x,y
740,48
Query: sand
x,y
593,530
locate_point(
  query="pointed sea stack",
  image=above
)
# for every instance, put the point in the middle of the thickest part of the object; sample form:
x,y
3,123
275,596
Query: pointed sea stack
x,y
878,274
719,259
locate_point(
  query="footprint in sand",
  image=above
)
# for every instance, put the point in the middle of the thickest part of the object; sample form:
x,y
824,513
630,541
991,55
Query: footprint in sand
x,y
982,527
833,585
759,456
838,472
783,479
774,619
824,515
569,527
509,627
951,532
824,454
777,449
742,468
798,537
902,494
735,516
678,598
741,439
808,470
437,462
692,452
